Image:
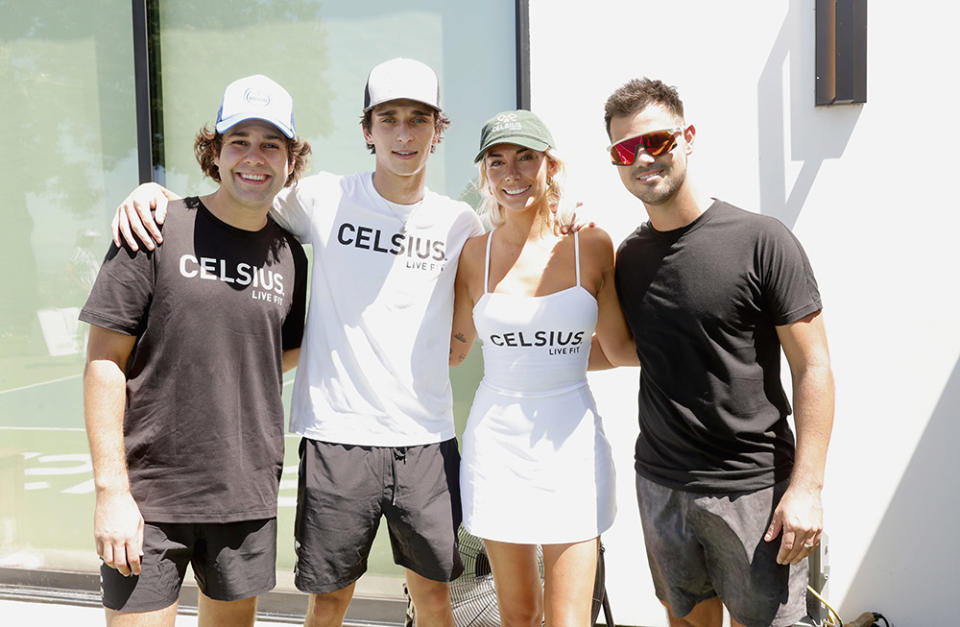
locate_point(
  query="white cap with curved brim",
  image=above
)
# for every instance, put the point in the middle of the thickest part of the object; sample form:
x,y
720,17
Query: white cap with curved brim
x,y
401,79
256,98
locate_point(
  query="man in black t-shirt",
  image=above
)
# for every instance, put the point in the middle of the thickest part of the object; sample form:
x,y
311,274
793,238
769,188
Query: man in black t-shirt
x,y
712,293
182,386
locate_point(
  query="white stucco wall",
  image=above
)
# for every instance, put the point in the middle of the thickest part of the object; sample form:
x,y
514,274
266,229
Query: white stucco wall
x,y
868,189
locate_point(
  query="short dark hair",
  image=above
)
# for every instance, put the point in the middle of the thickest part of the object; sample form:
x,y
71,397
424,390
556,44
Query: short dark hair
x,y
208,144
638,94
440,123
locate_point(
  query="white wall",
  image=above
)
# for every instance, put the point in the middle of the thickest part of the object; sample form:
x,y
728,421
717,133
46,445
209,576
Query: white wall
x,y
867,189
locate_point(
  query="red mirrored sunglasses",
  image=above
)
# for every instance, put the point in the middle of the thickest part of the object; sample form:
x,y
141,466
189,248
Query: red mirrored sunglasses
x,y
624,152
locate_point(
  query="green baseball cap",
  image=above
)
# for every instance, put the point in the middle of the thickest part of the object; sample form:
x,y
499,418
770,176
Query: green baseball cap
x,y
522,128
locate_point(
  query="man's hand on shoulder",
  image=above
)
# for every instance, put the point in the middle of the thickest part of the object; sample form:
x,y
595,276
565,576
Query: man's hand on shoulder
x,y
138,218
565,220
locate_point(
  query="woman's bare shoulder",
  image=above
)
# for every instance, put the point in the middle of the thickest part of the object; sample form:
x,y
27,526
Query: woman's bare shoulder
x,y
594,240
474,246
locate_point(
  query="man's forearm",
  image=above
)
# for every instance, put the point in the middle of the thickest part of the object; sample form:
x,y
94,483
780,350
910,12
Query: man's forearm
x,y
104,398
813,399
117,524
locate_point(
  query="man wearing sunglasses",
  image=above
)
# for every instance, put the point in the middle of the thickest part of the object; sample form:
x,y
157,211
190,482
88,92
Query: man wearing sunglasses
x,y
730,506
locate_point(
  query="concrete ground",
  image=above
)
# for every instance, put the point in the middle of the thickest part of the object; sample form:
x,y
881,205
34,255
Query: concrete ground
x,y
32,614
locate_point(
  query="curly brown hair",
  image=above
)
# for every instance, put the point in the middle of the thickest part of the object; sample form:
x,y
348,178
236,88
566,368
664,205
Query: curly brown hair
x,y
637,94
440,123
208,144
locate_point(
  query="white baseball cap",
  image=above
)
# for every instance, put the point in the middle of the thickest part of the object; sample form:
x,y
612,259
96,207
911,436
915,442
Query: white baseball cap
x,y
256,98
401,78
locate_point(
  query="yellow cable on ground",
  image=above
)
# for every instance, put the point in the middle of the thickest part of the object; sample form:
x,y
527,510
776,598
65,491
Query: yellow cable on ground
x,y
828,622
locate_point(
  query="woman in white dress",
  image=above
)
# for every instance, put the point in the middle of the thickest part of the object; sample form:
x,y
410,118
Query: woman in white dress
x,y
537,468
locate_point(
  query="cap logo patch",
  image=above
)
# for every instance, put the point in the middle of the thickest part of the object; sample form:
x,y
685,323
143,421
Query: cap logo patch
x,y
256,98
506,126
506,122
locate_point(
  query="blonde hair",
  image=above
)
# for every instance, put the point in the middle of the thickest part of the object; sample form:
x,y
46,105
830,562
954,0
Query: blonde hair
x,y
489,207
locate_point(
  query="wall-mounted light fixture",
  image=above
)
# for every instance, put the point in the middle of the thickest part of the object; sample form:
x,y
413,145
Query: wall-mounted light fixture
x,y
841,48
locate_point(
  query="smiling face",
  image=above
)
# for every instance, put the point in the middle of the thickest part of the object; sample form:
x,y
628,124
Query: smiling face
x,y
516,177
654,180
402,133
253,164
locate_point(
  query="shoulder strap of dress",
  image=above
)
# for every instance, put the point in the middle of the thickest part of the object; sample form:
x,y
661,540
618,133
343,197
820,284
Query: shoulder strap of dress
x,y
576,253
486,265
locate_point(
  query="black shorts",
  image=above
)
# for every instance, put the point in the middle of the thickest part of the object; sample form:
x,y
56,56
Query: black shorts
x,y
344,490
231,561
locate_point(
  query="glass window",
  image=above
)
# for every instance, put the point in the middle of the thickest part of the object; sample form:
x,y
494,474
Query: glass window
x,y
69,154
322,52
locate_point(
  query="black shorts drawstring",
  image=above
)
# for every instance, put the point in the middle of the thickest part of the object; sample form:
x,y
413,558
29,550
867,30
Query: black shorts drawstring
x,y
399,455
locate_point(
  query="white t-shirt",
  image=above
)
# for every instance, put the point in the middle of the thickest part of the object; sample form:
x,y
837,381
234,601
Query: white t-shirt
x,y
373,369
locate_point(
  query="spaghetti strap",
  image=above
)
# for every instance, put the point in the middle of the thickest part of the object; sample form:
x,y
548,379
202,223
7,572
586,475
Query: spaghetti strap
x,y
486,266
576,253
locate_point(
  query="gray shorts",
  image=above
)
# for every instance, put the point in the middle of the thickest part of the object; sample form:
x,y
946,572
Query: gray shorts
x,y
704,545
231,561
345,489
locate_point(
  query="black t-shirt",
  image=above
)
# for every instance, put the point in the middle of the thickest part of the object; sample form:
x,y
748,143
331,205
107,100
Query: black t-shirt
x,y
703,302
212,309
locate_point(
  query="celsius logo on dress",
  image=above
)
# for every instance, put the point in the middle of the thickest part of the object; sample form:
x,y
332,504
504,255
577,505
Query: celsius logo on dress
x,y
551,339
420,253
267,284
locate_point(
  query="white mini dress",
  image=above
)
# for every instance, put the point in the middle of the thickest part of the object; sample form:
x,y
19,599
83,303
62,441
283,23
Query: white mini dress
x,y
537,467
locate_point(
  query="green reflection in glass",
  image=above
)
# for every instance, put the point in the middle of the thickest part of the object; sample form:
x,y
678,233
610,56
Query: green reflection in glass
x,y
321,52
69,157
69,138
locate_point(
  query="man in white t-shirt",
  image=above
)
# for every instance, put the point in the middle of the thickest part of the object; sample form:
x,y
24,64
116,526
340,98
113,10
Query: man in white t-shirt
x,y
372,396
